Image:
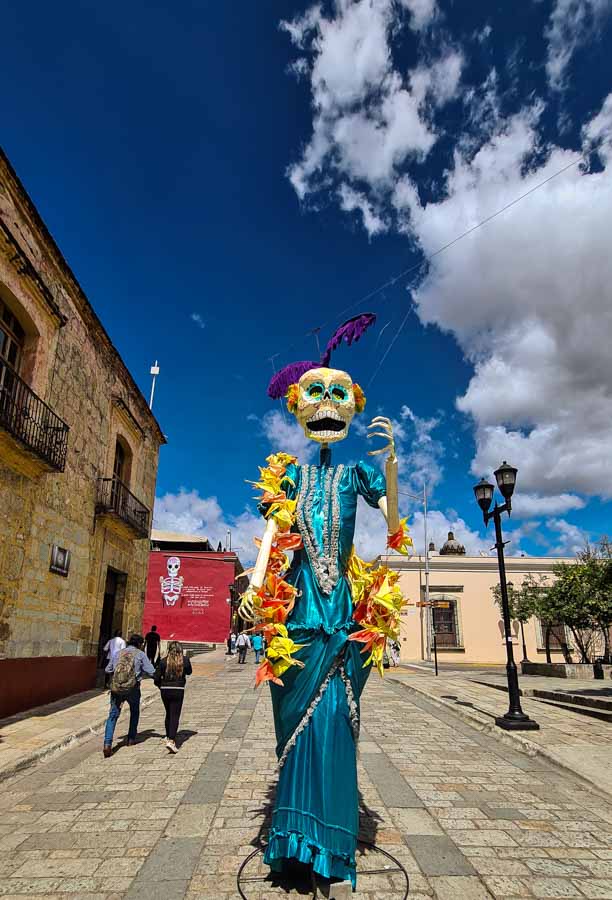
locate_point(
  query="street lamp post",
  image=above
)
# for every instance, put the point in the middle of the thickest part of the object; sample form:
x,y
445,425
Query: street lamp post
x,y
515,719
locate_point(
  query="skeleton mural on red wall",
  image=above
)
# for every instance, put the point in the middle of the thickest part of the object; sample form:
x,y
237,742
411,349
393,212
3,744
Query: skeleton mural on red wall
x,y
172,584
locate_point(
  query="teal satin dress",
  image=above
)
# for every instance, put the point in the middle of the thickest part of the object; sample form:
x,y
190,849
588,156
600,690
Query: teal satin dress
x,y
316,713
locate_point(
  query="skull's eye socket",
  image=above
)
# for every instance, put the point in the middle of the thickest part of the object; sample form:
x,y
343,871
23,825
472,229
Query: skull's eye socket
x,y
315,391
339,393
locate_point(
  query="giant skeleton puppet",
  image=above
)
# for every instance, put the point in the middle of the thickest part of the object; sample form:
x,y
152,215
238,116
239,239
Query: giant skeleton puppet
x,y
326,615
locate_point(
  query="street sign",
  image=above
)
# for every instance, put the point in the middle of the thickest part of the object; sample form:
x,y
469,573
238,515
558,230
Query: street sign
x,y
436,604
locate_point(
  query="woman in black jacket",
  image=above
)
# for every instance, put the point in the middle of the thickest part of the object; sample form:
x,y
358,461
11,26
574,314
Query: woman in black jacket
x,y
171,678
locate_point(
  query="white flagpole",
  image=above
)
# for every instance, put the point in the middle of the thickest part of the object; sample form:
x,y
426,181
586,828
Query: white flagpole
x,y
154,373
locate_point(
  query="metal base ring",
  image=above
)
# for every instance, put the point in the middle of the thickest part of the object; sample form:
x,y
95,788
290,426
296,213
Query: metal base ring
x,y
241,880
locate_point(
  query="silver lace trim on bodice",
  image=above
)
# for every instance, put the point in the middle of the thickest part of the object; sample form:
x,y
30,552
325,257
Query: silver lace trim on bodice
x,y
324,560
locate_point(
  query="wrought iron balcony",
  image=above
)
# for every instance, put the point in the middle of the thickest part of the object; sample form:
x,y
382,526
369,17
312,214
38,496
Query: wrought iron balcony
x,y
117,501
30,421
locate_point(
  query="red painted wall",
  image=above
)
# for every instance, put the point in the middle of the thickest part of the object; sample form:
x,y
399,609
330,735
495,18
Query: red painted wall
x,y
34,681
200,611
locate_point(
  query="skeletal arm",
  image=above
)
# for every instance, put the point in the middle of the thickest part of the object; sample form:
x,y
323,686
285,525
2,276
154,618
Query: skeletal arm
x,y
389,505
245,609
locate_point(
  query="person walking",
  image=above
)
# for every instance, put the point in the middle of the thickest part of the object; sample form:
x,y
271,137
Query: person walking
x,y
243,643
395,653
257,645
127,670
112,648
152,640
171,677
233,639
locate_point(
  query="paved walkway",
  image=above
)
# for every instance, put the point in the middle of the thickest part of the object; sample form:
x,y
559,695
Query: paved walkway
x,y
571,739
46,729
468,816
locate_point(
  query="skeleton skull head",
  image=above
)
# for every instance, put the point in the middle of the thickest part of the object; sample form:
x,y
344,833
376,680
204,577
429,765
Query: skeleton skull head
x,y
173,565
325,404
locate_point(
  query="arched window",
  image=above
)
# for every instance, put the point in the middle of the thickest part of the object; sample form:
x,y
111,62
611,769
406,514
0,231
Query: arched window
x,y
12,338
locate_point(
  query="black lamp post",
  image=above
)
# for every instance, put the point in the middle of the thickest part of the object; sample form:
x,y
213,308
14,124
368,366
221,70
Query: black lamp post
x,y
515,719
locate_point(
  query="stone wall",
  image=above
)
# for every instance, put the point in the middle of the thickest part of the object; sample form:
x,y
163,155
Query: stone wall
x,y
71,364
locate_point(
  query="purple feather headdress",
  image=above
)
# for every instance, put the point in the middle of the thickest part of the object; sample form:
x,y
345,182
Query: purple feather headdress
x,y
349,331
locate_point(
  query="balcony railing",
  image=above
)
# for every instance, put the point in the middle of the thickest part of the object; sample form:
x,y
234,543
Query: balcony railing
x,y
114,498
28,419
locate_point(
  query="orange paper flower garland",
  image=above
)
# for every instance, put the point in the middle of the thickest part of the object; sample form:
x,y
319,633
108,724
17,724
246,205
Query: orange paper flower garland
x,y
276,597
378,604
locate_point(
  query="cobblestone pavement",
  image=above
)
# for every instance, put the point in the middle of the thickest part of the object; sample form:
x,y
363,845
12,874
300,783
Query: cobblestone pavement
x,y
576,741
468,817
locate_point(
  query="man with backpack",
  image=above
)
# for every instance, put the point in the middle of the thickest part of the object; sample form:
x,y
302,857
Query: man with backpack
x,y
127,669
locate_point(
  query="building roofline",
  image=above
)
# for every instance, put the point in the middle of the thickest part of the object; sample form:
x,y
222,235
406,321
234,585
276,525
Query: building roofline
x,y
474,563
65,268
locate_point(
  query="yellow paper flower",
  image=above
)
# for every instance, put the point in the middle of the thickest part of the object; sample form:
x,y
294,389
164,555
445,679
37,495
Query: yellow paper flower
x,y
280,652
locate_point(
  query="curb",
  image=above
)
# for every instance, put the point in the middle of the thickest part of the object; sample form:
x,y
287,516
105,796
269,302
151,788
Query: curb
x,y
511,739
69,742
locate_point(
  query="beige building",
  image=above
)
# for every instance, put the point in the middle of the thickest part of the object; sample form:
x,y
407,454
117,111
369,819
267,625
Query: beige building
x,y
78,463
470,629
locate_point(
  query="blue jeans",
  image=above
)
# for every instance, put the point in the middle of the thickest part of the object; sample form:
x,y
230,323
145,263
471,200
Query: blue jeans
x,y
257,655
133,701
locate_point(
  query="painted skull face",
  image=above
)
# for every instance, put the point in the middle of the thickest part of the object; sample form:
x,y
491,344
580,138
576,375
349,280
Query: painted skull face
x,y
173,565
326,405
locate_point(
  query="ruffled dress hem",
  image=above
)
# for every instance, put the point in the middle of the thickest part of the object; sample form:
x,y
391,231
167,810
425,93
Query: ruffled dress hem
x,y
295,845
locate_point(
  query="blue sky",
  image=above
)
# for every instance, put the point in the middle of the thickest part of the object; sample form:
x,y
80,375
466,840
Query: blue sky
x,y
224,177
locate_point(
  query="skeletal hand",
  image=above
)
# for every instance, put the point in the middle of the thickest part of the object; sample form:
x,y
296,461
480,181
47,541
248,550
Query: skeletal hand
x,y
246,608
386,432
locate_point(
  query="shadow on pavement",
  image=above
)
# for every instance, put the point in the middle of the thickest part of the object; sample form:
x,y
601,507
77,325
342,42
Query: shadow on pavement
x,y
467,703
140,739
297,877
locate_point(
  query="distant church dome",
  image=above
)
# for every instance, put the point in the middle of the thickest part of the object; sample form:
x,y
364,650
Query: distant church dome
x,y
451,547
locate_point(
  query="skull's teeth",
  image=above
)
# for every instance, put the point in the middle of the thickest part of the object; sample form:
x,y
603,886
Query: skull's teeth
x,y
326,414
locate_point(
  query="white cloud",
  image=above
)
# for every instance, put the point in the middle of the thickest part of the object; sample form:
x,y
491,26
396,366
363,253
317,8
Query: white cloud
x,y
351,200
198,319
572,23
527,505
420,462
284,434
483,34
422,11
527,297
438,526
439,79
350,64
188,513
571,538
597,132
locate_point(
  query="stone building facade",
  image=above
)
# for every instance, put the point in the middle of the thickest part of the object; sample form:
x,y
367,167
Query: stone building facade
x,y
78,464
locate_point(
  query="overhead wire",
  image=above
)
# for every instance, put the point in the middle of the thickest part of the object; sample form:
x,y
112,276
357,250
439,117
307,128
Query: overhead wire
x,y
391,282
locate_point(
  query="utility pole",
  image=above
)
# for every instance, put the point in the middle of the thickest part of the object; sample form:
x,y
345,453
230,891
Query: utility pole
x,y
428,613
154,373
